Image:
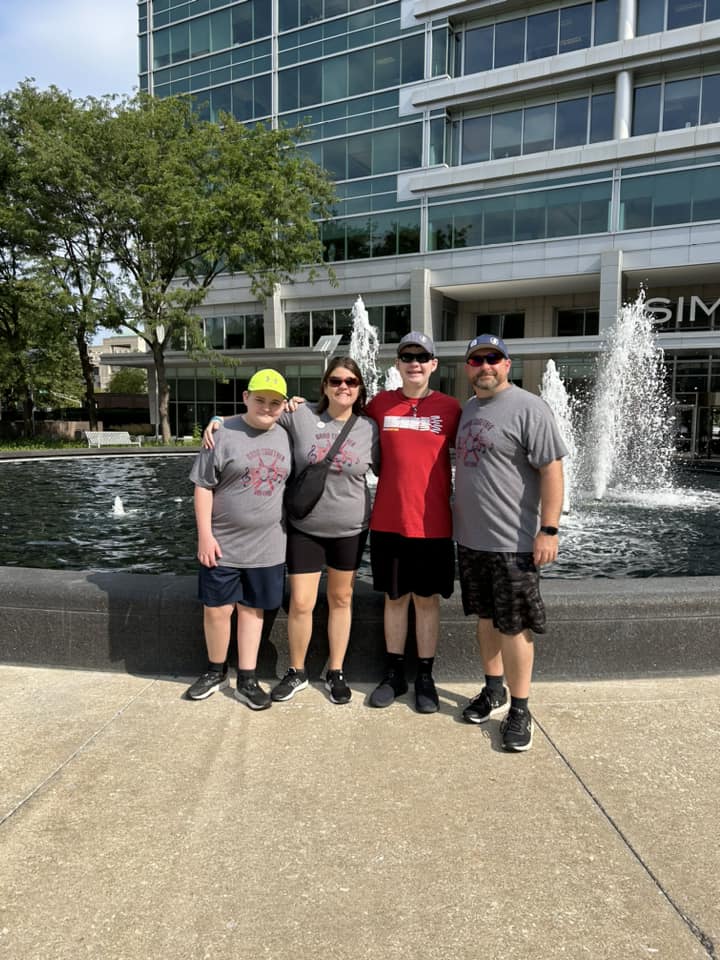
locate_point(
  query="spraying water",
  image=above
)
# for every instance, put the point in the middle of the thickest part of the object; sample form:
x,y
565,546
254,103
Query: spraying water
x,y
393,380
364,346
118,508
629,438
556,396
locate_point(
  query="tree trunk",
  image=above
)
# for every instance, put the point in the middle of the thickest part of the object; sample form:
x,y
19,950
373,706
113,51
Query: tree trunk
x,y
87,373
28,411
163,389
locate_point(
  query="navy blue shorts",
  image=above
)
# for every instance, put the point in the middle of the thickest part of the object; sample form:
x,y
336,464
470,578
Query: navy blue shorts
x,y
309,554
259,587
420,565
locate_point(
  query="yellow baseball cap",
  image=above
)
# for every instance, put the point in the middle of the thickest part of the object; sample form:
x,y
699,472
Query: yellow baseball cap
x,y
268,380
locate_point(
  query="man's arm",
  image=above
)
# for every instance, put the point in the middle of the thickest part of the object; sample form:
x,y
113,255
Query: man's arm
x,y
552,487
208,551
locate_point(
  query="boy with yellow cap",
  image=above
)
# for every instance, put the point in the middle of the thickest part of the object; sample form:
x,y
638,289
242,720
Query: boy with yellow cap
x,y
239,487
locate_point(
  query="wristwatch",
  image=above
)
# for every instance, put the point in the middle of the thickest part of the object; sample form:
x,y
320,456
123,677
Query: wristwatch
x,y
550,531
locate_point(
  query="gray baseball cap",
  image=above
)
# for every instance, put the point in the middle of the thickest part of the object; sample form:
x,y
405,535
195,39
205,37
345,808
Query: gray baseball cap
x,y
417,339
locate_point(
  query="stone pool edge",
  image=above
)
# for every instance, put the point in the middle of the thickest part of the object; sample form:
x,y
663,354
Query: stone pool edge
x,y
152,624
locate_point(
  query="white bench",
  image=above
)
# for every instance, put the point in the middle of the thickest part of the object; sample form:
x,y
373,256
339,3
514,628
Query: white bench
x,y
111,438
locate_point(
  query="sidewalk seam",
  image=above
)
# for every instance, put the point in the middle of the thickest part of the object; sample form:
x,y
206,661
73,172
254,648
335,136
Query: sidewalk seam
x,y
704,940
78,750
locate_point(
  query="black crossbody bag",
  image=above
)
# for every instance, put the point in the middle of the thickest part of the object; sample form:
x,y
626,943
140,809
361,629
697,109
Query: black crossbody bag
x,y
304,489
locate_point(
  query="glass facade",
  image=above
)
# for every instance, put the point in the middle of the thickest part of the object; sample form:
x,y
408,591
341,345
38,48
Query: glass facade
x,y
654,16
532,129
537,214
372,85
560,30
673,104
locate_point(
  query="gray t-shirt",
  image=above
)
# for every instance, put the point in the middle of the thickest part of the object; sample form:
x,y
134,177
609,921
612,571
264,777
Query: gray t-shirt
x,y
247,471
500,444
344,508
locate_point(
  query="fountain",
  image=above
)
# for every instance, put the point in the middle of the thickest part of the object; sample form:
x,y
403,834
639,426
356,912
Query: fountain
x,y
556,396
622,522
626,443
364,346
624,514
364,349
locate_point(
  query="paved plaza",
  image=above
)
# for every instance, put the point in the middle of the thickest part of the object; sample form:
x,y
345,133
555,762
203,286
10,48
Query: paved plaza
x,y
135,824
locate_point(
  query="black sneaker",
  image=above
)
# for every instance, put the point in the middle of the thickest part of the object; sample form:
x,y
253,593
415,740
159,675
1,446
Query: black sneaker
x,y
488,703
206,685
250,692
293,681
392,685
426,698
517,730
335,684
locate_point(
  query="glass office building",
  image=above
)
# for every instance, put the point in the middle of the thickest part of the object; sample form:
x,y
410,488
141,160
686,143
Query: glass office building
x,y
514,168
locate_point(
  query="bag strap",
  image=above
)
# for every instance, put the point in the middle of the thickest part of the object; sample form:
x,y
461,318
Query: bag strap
x,y
340,437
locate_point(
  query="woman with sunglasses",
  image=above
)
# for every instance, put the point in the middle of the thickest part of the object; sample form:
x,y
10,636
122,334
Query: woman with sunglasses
x,y
334,533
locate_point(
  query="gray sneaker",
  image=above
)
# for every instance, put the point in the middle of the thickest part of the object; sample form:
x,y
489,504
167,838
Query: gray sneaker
x,y
293,681
485,705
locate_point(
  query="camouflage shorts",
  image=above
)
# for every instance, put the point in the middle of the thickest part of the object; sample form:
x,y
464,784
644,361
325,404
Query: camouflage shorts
x,y
502,587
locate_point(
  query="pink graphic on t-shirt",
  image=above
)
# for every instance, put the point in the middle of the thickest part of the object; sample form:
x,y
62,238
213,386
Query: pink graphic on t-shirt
x,y
265,476
473,441
343,458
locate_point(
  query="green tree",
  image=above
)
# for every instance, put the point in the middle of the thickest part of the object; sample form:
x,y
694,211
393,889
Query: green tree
x,y
63,158
184,199
35,361
128,380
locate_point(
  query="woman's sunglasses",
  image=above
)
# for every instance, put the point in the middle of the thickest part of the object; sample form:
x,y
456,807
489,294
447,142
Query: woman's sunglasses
x,y
339,381
491,358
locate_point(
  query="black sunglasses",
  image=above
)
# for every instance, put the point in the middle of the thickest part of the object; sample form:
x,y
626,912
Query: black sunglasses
x,y
415,357
490,358
338,381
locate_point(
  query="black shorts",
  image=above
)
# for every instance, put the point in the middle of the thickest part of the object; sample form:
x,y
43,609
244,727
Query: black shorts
x,y
502,587
401,565
309,554
259,587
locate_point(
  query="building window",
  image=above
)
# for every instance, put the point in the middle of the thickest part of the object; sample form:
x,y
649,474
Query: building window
x,y
572,210
378,235
675,104
545,34
391,322
449,323
236,332
548,126
654,16
683,196
578,322
505,325
304,329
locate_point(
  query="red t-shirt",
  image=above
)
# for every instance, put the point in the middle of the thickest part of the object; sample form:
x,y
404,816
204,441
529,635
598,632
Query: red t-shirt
x,y
413,491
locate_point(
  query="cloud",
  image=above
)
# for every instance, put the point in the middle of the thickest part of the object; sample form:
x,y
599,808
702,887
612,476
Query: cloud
x,y
86,47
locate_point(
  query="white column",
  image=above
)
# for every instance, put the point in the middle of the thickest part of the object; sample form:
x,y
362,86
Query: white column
x,y
610,287
273,320
420,306
622,124
627,19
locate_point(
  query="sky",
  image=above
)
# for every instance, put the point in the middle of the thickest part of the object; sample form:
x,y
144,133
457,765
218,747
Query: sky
x,y
83,47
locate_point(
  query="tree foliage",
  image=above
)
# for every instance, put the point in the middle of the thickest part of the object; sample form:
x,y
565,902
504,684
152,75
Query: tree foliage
x,y
121,212
128,380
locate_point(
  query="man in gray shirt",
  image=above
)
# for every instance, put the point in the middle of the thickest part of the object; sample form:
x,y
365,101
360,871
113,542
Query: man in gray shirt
x,y
508,500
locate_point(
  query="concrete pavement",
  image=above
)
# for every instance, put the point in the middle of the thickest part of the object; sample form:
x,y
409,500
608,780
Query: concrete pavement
x,y
135,824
